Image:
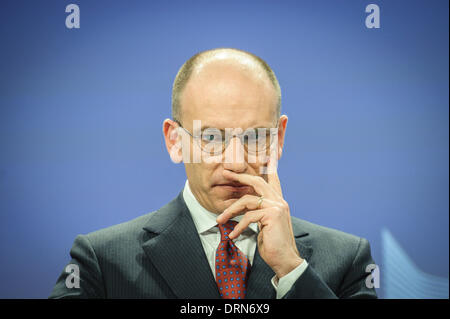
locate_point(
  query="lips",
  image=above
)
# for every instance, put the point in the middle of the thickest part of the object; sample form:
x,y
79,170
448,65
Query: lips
x,y
232,185
235,188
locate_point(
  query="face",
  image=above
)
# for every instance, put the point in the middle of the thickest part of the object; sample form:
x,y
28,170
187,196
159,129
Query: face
x,y
224,94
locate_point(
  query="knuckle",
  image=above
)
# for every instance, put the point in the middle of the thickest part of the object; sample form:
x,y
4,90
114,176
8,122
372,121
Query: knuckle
x,y
260,179
243,220
248,218
278,211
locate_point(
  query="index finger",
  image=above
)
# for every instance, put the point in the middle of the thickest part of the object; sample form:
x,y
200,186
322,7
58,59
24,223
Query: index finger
x,y
272,172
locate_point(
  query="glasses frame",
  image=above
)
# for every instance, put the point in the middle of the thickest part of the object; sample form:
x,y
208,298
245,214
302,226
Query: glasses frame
x,y
227,142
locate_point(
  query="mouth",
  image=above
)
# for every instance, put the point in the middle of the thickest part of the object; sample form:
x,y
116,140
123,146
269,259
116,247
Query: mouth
x,y
234,187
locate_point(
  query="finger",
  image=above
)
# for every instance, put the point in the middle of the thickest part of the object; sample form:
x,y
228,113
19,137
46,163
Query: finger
x,y
243,205
272,173
258,183
254,216
246,202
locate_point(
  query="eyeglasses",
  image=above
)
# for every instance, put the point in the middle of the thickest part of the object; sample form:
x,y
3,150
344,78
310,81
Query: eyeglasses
x,y
214,141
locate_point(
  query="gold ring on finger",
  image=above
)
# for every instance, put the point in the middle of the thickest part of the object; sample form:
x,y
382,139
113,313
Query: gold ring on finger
x,y
260,200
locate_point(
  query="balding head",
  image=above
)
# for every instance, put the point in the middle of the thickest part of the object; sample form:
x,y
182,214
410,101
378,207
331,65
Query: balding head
x,y
242,61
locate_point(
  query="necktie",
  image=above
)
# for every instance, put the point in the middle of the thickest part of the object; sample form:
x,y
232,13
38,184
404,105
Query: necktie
x,y
232,266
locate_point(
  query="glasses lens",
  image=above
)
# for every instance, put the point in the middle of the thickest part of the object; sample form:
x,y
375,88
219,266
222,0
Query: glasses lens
x,y
256,140
212,141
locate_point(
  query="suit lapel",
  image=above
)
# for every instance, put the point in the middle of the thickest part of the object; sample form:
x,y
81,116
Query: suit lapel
x,y
176,251
259,284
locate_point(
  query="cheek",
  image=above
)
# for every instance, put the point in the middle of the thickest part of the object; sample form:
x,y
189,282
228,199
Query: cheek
x,y
203,173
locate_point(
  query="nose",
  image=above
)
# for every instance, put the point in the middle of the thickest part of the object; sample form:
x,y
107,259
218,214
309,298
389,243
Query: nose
x,y
235,156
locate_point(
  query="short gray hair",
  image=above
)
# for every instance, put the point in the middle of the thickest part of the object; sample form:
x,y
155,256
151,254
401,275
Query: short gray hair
x,y
189,66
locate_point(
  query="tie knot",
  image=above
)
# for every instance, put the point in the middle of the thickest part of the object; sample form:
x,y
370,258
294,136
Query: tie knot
x,y
226,229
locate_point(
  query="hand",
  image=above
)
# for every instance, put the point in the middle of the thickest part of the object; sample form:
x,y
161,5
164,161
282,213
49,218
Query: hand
x,y
276,242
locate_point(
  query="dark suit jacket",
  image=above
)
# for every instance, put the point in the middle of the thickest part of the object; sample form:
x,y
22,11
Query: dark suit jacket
x,y
160,255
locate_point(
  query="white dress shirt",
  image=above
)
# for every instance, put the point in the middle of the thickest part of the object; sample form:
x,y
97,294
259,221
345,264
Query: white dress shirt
x,y
206,225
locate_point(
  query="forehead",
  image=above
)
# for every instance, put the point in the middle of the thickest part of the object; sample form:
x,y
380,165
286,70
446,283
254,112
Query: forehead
x,y
226,94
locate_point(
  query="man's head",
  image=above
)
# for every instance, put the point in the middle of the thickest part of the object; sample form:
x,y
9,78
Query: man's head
x,y
245,60
223,88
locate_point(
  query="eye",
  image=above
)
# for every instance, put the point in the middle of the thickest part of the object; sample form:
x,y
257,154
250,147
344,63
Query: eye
x,y
209,137
212,137
251,138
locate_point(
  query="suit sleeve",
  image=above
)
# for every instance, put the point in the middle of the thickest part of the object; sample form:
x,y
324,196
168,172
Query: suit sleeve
x,y
311,286
90,276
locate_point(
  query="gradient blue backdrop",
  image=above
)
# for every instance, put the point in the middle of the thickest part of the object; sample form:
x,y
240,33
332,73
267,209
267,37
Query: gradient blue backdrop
x,y
81,114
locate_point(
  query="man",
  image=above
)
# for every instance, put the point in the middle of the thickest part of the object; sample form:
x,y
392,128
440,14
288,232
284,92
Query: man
x,y
229,233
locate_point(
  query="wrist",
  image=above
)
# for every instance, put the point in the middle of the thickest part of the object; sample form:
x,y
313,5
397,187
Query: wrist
x,y
288,266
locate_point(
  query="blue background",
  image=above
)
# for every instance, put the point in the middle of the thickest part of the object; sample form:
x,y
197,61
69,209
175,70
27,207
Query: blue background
x,y
81,111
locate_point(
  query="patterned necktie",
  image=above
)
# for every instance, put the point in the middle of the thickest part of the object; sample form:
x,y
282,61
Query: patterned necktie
x,y
232,266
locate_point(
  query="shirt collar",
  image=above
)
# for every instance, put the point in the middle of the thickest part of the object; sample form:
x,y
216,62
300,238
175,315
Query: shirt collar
x,y
204,220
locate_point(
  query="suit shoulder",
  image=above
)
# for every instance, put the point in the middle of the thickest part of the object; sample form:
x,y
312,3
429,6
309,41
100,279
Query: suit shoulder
x,y
332,238
130,234
124,232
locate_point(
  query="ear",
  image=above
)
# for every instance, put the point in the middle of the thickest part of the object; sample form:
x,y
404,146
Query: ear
x,y
173,140
282,124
